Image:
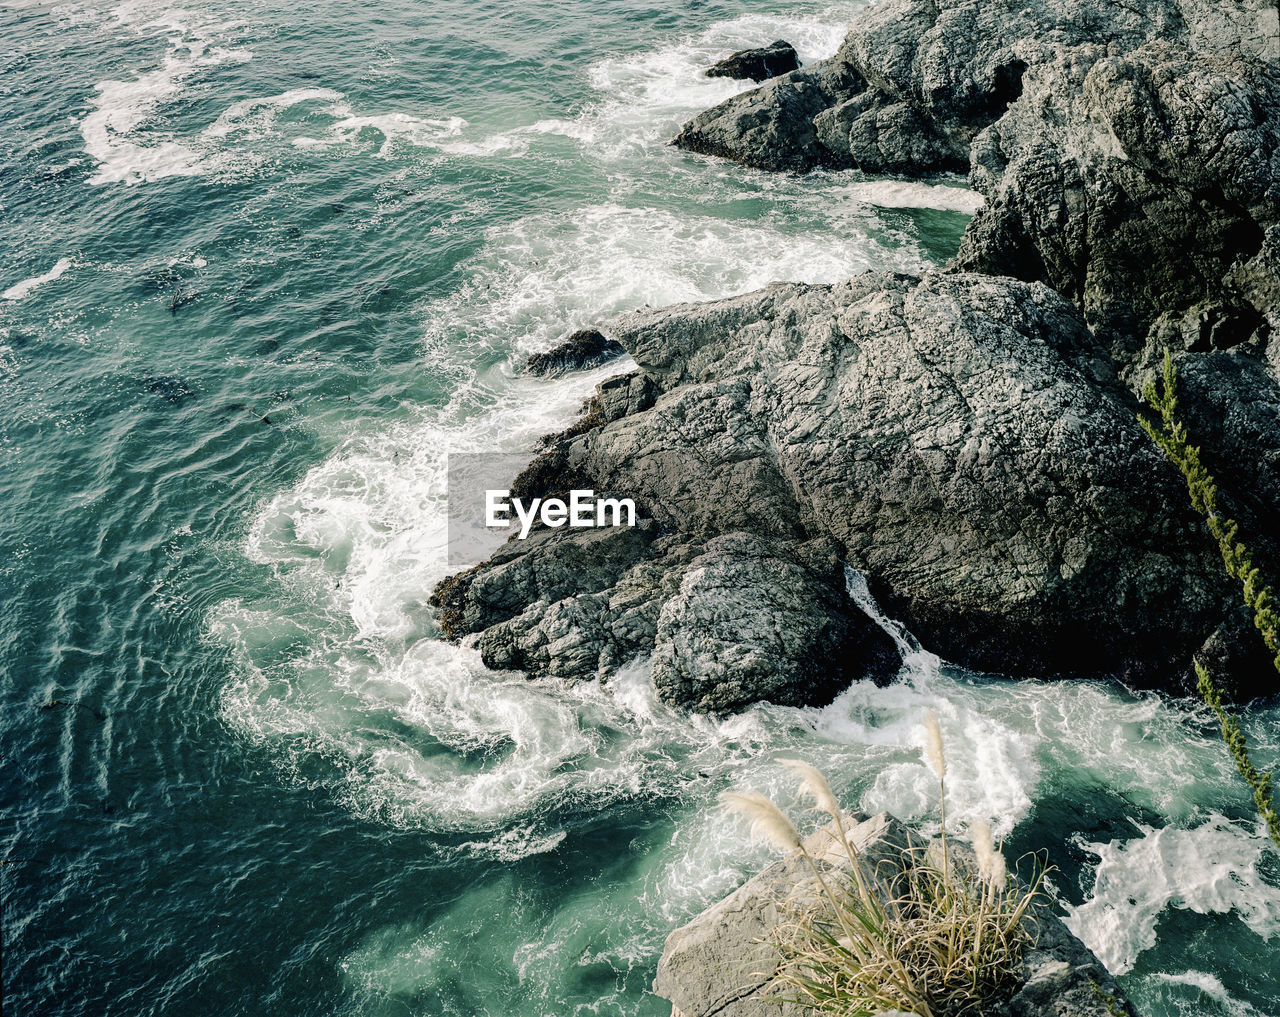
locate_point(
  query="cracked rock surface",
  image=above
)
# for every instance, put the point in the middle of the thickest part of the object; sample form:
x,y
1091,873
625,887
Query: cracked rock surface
x,y
961,439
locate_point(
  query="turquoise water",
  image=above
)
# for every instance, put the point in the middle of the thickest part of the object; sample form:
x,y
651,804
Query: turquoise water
x,y
241,773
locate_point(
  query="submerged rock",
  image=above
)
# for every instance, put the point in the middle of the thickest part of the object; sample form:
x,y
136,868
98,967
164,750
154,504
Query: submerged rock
x,y
757,64
725,963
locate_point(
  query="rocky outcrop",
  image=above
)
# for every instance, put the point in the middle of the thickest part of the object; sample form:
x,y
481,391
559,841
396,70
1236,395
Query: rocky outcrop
x,y
725,963
583,349
1130,157
1171,181
962,440
728,621
968,441
773,127
757,64
1130,160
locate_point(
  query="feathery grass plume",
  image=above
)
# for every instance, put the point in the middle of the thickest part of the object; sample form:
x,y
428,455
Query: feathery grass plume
x,y
945,944
813,785
1172,437
938,760
933,745
991,867
768,822
936,942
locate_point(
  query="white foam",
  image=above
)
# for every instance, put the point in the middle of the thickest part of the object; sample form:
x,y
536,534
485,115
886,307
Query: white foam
x,y
513,845
114,133
511,145
124,134
19,290
1211,986
946,197
1209,869
257,117
393,127
535,278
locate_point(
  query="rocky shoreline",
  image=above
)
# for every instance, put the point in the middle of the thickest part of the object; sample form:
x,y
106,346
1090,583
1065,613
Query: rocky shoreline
x,y
967,440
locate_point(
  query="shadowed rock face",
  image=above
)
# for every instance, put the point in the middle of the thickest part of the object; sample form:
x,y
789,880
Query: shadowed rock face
x,y
583,349
731,621
961,439
1152,222
757,64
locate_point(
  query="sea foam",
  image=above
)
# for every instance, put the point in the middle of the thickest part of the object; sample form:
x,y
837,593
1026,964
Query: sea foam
x,y
114,133
19,290
1209,869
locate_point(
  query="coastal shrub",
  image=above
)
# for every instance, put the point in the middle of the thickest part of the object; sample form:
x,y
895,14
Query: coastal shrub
x,y
1171,435
921,934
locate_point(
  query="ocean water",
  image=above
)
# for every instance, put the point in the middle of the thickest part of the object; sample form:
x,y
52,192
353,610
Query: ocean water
x,y
261,268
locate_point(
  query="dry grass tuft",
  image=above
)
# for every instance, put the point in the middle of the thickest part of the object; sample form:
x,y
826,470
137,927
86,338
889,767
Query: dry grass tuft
x,y
933,940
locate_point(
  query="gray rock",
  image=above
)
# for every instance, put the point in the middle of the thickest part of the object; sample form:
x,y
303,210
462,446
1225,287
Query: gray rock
x,y
931,75
1130,157
758,64
772,127
968,441
961,439
752,622
725,963
583,349
1172,181
729,622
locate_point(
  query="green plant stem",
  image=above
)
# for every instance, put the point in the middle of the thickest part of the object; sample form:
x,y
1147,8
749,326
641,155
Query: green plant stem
x,y
1170,434
1260,783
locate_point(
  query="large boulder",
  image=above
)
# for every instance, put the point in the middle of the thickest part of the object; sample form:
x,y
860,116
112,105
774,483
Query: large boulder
x,y
772,127
1139,185
962,440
